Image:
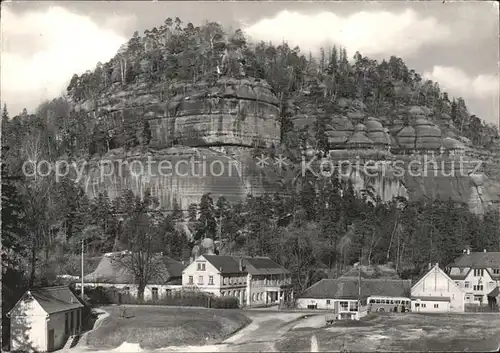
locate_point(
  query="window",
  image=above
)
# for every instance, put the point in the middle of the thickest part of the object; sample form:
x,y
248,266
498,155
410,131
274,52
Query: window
x,y
436,306
478,287
467,285
226,280
392,301
210,279
200,279
66,323
478,272
201,266
398,302
496,271
424,305
190,280
154,293
344,305
72,322
417,305
457,283
377,301
372,301
328,301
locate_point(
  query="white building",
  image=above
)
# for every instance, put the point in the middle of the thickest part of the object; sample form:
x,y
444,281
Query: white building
x,y
347,296
43,319
437,292
254,280
477,273
111,272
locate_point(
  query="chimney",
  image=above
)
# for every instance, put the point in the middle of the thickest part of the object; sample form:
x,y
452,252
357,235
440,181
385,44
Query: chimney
x,y
468,251
429,266
484,250
241,265
437,265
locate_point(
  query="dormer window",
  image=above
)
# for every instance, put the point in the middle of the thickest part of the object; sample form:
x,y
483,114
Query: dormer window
x,y
478,272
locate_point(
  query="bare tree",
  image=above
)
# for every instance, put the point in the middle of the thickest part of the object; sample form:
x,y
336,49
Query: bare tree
x,y
141,261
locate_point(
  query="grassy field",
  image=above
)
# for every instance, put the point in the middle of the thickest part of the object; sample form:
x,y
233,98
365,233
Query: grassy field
x,y
401,332
155,327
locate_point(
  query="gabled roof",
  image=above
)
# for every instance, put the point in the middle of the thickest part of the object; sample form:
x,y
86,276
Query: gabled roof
x,y
224,263
478,260
347,288
494,293
433,270
52,299
251,265
113,269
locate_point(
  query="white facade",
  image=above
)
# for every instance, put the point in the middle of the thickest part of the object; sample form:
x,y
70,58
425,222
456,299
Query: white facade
x,y
476,284
32,329
341,308
202,276
437,292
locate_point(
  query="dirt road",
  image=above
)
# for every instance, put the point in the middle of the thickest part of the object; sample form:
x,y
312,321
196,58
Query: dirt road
x,y
260,335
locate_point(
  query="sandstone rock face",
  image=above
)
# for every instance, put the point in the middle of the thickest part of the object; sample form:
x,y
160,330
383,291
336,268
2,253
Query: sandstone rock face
x,y
229,112
200,139
177,174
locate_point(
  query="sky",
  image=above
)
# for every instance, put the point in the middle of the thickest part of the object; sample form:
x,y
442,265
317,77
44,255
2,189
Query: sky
x,y
453,43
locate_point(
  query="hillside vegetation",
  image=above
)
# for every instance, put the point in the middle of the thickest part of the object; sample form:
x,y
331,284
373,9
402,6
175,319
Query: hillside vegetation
x,y
313,227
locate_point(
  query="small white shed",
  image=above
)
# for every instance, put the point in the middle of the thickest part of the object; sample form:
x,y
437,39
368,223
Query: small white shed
x,y
44,318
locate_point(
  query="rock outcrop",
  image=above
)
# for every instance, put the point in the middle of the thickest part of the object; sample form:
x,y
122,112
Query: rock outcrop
x,y
201,139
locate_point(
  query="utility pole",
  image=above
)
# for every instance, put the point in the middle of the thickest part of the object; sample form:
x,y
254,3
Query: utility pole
x,y
81,291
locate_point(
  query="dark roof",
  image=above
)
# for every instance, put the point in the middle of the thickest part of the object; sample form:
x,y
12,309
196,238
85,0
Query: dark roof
x,y
54,299
251,265
113,269
376,271
478,260
263,266
494,293
434,299
347,288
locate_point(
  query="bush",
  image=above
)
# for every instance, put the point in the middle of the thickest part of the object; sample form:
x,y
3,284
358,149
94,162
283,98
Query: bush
x,y
224,303
113,295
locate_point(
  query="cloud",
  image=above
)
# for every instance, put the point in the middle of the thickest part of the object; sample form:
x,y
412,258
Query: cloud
x,y
41,50
457,82
370,33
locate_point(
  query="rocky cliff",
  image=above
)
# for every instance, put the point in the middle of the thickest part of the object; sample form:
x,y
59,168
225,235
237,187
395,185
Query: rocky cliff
x,y
201,140
410,155
202,137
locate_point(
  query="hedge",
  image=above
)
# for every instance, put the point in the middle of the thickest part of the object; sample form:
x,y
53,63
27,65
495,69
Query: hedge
x,y
112,295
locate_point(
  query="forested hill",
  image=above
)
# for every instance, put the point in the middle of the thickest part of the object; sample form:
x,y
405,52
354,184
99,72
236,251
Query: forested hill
x,y
315,86
311,89
311,229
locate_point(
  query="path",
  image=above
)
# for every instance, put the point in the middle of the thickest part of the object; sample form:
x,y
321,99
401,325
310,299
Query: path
x,y
260,335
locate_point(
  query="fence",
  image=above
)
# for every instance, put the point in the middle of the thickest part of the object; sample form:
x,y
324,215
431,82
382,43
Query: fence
x,y
474,308
111,295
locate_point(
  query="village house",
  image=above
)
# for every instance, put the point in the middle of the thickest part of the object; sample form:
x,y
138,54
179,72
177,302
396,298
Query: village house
x,y
44,319
255,281
477,273
435,291
112,271
348,297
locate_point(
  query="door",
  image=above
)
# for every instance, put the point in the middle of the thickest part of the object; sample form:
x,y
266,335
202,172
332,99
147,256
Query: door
x,y
50,345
